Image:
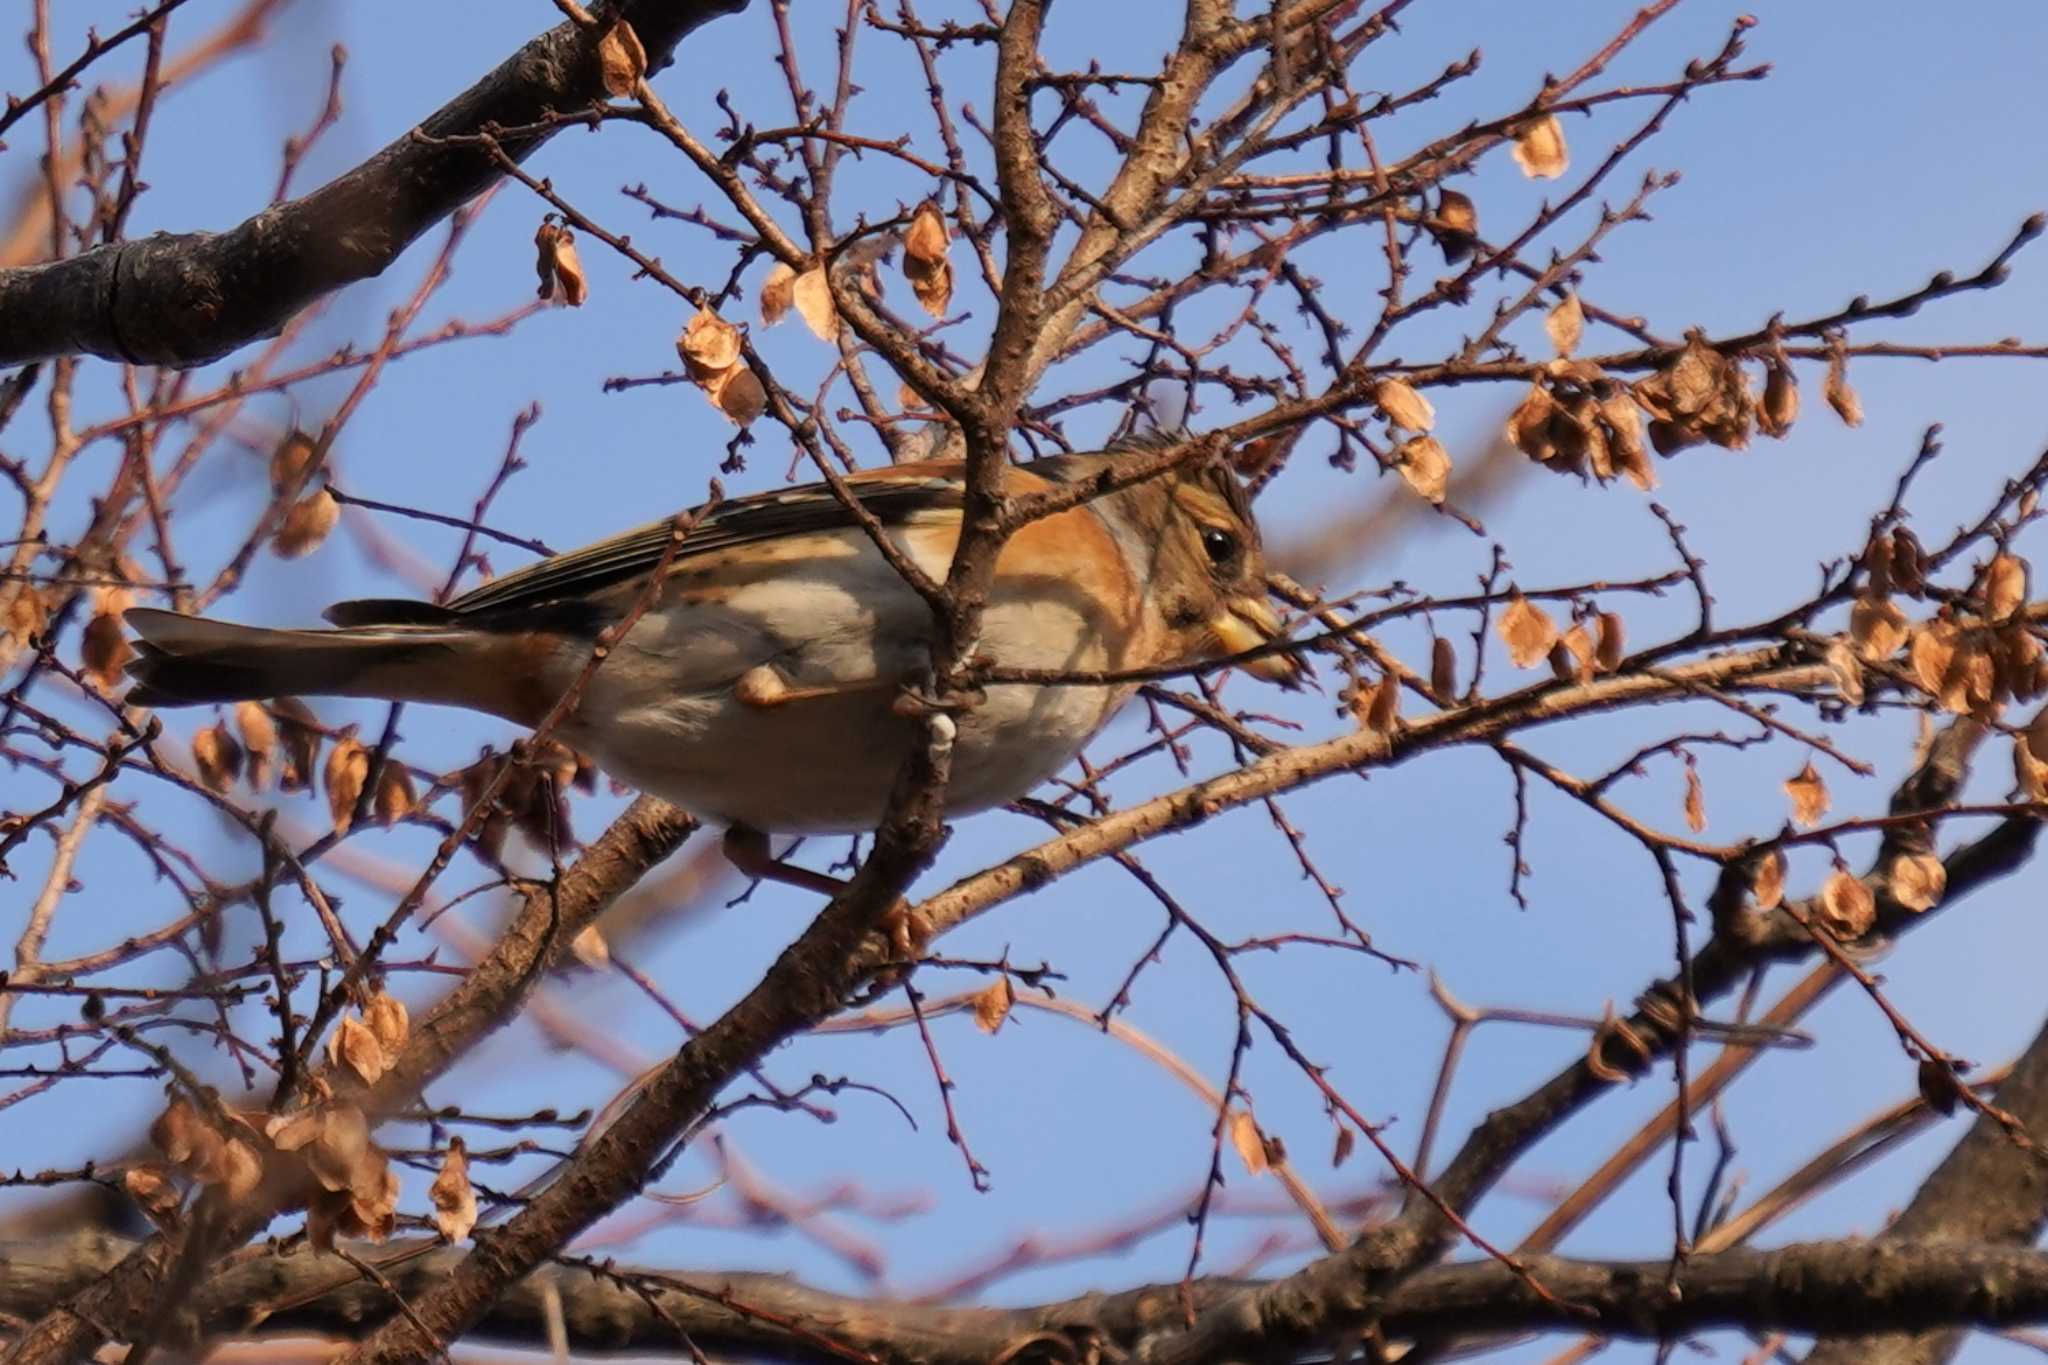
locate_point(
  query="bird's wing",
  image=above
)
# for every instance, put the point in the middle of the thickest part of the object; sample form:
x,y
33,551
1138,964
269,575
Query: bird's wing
x,y
892,495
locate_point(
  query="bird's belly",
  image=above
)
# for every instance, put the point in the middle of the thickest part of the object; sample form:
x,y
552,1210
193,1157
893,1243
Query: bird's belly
x,y
825,765
847,627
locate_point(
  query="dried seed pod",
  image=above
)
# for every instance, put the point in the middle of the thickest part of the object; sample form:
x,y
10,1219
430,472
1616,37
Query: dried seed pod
x,y
1566,324
1528,427
1383,713
1527,630
259,740
306,525
1540,148
388,1020
453,1197
709,346
1877,628
217,757
1809,793
1846,906
1836,389
104,649
1403,405
1767,880
1426,466
992,1004
1455,226
1917,880
813,297
559,267
924,259
2005,586
291,460
395,797
1780,407
621,60
353,1044
778,291
1443,670
299,734
348,769
1608,652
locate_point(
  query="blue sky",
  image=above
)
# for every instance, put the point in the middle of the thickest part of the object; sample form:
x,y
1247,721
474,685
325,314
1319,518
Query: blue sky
x,y
1890,142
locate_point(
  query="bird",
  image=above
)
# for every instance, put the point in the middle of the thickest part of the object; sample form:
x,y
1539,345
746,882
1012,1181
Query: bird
x,y
762,685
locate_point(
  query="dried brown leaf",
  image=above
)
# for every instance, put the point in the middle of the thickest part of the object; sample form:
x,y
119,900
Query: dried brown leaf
x,y
104,650
1528,427
150,1186
1877,628
217,757
353,1044
814,304
1403,405
621,60
708,347
1918,880
739,395
778,291
1540,148
306,525
556,262
453,1197
1246,1138
1455,226
389,1020
2005,586
290,460
1426,466
1846,905
924,259
2029,772
259,741
1934,654
1443,670
1840,396
300,737
1383,710
1780,406
1527,630
1809,793
1566,324
1767,881
992,1004
1847,670
348,769
1607,653
1695,800
395,797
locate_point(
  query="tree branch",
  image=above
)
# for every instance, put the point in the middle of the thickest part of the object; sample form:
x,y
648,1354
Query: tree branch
x,y
188,298
1808,1287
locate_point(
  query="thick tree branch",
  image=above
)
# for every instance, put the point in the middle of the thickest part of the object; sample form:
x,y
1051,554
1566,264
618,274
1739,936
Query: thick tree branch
x,y
187,298
1809,1287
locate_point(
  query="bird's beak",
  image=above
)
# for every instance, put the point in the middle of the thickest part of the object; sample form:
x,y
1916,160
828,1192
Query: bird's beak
x,y
1247,623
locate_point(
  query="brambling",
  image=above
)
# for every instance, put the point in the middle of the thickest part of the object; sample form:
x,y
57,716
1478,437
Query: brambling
x,y
759,687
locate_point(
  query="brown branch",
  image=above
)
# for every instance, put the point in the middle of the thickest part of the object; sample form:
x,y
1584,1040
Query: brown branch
x,y
1808,1287
187,298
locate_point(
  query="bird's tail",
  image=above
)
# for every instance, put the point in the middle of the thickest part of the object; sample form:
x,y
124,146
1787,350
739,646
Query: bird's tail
x,y
187,660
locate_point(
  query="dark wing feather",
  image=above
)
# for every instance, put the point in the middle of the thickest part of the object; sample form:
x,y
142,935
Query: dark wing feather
x,y
893,497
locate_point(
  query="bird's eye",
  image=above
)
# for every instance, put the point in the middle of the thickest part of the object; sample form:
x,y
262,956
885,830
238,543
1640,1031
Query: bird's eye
x,y
1221,545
